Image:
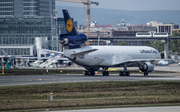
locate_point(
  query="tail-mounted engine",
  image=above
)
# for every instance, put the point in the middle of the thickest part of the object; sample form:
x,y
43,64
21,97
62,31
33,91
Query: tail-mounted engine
x,y
146,67
71,38
73,41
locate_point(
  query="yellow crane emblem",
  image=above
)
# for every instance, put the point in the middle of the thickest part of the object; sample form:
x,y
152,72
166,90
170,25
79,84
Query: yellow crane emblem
x,y
69,25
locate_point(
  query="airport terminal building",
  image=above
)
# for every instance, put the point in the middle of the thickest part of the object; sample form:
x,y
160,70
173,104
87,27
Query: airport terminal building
x,y
27,7
22,31
22,21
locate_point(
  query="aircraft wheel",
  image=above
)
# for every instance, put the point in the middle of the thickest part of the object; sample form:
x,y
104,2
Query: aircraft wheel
x,y
86,73
104,73
123,74
107,73
146,74
120,73
127,73
92,73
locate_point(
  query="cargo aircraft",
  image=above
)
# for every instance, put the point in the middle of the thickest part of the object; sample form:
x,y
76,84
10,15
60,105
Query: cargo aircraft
x,y
93,58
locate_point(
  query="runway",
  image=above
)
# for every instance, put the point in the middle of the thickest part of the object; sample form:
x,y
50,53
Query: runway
x,y
68,78
130,109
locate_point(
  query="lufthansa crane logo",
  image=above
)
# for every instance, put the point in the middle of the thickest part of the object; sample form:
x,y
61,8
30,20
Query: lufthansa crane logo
x,y
69,25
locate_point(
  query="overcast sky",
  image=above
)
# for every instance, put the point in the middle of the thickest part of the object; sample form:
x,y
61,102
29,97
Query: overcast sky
x,y
131,4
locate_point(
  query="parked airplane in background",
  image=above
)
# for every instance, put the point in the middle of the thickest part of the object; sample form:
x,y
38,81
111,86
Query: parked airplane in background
x,y
95,57
49,51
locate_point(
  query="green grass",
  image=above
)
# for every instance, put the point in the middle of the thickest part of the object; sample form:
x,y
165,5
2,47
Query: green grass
x,y
90,95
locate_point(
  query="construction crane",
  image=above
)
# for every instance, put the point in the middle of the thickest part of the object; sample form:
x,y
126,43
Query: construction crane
x,y
87,3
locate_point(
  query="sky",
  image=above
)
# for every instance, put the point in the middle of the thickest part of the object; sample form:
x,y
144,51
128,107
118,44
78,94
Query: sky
x,y
133,5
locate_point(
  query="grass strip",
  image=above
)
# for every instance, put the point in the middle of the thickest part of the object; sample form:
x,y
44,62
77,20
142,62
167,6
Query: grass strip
x,y
90,95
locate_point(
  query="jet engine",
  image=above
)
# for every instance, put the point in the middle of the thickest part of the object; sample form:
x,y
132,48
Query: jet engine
x,y
73,41
146,67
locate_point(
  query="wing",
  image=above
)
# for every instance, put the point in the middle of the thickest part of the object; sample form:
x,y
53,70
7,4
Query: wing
x,y
136,62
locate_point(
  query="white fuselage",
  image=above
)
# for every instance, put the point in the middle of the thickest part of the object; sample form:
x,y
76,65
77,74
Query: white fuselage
x,y
107,56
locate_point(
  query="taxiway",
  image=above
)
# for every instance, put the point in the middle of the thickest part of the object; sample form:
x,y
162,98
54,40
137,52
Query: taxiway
x,y
45,79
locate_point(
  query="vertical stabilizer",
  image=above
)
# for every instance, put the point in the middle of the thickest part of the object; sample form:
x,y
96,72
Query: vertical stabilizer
x,y
69,24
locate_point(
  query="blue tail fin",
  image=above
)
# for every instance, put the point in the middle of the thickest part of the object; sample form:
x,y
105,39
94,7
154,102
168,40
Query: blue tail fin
x,y
71,39
69,24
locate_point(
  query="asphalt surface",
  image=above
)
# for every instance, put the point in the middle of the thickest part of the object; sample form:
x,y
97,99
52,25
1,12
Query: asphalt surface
x,y
131,109
44,79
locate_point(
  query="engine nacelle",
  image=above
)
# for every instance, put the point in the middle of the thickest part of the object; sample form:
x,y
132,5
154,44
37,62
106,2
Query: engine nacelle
x,y
146,67
73,41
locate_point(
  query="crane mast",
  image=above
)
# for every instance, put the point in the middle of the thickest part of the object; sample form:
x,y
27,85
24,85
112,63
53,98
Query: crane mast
x,y
88,20
87,3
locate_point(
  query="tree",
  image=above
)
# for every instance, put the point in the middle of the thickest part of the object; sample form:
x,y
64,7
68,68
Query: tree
x,y
176,34
156,44
147,43
174,45
122,43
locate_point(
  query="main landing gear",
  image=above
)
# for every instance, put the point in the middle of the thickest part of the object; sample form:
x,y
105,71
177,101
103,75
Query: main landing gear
x,y
125,72
89,73
105,72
